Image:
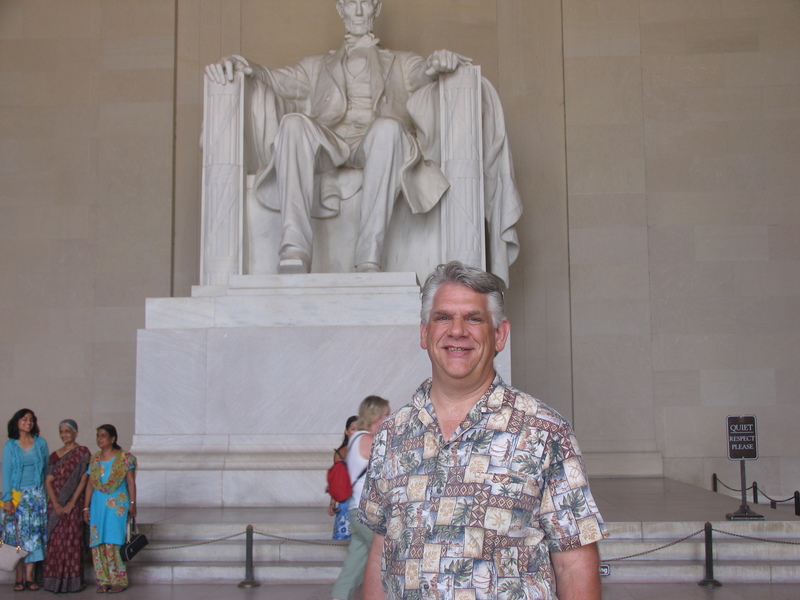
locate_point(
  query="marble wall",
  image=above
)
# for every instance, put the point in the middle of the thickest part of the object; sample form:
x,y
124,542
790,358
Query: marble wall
x,y
86,177
683,140
656,145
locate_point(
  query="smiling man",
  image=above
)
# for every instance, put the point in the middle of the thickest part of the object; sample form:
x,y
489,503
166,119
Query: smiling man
x,y
476,490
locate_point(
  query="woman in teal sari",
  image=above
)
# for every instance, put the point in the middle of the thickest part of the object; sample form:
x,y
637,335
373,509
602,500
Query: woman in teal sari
x,y
110,498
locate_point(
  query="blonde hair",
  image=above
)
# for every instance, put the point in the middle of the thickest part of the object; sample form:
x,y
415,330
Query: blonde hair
x,y
370,410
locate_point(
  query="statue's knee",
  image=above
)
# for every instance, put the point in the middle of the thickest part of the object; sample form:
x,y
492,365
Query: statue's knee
x,y
386,128
294,123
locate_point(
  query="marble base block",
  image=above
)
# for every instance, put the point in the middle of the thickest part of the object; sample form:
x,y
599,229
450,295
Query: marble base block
x,y
242,391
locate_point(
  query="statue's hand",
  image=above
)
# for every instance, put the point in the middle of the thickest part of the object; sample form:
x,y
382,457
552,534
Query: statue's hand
x,y
224,71
445,61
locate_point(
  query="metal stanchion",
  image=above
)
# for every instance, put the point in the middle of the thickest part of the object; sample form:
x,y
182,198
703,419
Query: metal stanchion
x,y
249,580
714,482
797,503
755,493
708,580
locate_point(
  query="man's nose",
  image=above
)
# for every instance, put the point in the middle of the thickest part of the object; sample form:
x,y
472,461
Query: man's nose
x,y
457,326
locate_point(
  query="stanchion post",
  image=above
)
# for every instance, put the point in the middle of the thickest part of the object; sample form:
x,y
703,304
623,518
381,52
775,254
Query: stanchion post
x,y
797,503
714,482
708,580
755,493
249,580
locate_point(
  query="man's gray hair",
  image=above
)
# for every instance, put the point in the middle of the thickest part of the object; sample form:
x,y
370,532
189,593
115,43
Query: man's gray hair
x,y
476,279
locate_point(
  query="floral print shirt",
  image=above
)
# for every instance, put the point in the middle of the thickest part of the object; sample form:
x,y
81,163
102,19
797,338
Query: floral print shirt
x,y
476,517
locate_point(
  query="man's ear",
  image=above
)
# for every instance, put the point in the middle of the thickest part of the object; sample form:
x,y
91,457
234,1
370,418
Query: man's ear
x,y
501,335
423,333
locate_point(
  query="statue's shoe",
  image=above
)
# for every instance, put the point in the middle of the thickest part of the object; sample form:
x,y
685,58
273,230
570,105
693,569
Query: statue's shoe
x,y
294,261
368,267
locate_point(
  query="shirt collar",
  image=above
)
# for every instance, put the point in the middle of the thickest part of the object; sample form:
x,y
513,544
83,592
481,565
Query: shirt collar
x,y
351,42
490,402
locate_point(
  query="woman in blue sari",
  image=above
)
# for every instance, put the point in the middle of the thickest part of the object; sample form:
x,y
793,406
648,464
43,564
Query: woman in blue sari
x,y
25,464
110,498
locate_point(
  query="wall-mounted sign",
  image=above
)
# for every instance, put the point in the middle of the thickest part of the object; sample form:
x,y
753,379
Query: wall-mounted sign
x,y
742,437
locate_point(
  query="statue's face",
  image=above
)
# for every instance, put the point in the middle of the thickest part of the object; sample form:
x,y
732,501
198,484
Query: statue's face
x,y
358,15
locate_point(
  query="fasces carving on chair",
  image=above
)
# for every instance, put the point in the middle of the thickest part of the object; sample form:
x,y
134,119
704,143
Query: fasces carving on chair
x,y
362,159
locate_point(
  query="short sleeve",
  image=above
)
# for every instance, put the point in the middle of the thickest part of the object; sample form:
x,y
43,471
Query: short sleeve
x,y
569,515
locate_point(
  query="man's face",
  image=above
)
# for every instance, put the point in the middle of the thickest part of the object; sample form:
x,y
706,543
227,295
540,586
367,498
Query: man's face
x,y
358,15
460,337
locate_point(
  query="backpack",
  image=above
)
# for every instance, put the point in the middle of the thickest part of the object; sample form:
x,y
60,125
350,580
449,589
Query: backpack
x,y
339,486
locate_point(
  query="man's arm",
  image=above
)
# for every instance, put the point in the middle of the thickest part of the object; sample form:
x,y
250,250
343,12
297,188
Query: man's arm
x,y
577,573
372,573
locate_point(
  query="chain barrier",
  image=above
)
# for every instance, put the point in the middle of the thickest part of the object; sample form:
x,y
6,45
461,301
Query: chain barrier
x,y
715,481
203,543
756,539
288,539
683,539
318,543
233,535
691,535
735,489
763,493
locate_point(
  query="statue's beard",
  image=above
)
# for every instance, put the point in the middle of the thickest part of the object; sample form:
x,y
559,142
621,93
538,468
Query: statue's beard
x,y
359,28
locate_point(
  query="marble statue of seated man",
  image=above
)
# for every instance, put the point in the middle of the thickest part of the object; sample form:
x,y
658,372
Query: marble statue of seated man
x,y
346,108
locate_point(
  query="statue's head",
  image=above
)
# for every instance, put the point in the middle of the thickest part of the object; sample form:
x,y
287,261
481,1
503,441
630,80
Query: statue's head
x,y
358,15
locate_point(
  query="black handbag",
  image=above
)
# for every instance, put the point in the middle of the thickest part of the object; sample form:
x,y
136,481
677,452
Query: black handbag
x,y
134,541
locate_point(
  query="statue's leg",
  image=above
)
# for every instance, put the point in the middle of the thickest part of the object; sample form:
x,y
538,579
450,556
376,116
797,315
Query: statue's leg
x,y
383,152
297,145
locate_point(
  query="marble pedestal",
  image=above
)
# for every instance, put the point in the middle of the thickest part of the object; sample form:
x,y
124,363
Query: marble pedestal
x,y
242,390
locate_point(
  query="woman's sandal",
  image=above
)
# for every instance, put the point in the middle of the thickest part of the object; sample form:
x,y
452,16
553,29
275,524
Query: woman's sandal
x,y
117,589
101,589
19,586
32,585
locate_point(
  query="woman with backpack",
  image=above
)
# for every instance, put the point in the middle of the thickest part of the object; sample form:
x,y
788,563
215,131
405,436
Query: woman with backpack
x,y
341,524
372,411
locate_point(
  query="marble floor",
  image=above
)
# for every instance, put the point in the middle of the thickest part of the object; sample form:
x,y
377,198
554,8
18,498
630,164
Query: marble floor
x,y
618,499
617,591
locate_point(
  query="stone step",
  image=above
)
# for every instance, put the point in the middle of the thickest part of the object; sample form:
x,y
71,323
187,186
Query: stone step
x,y
227,572
678,571
159,551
